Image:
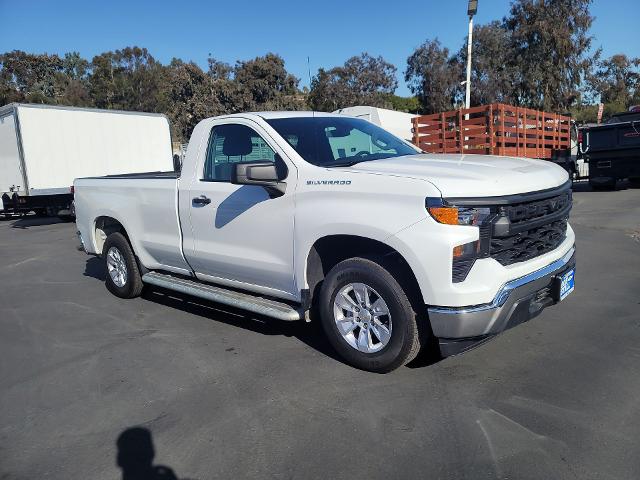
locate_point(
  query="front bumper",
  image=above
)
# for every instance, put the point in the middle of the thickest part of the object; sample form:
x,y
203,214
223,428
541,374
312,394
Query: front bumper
x,y
519,300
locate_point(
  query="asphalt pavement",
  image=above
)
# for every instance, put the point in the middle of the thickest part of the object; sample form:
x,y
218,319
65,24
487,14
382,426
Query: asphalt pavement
x,y
215,393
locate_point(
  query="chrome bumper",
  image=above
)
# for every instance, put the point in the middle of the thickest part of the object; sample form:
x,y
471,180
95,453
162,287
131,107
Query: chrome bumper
x,y
517,301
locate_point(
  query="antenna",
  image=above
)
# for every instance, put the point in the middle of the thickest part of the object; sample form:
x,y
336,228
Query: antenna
x,y
313,113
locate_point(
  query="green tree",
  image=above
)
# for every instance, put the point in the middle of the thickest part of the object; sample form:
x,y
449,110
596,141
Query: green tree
x,y
617,80
265,84
492,72
128,79
433,77
550,57
191,97
404,104
30,78
219,70
362,80
73,81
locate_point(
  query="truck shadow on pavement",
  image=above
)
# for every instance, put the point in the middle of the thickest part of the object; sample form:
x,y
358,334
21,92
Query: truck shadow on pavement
x,y
24,223
94,268
135,457
311,334
308,333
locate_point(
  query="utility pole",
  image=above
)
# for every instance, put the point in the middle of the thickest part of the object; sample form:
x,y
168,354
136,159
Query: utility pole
x,y
471,11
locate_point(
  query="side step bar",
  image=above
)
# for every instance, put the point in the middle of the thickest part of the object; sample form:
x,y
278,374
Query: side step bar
x,y
244,301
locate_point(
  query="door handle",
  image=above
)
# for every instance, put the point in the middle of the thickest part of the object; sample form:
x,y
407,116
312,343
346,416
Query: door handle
x,y
202,200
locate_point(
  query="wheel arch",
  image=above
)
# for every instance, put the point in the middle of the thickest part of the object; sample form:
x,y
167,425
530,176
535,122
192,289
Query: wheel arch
x,y
103,226
329,250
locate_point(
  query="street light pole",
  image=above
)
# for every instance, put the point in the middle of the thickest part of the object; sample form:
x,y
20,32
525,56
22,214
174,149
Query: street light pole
x,y
467,97
471,11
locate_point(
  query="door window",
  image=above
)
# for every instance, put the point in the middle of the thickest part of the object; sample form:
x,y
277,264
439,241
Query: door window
x,y
231,144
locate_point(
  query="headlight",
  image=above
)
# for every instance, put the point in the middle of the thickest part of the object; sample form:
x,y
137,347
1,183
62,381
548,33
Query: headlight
x,y
458,215
463,256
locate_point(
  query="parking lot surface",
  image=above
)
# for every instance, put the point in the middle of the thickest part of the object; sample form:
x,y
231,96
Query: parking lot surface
x,y
225,395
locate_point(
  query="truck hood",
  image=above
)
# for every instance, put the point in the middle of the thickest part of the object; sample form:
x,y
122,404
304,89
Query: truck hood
x,y
462,175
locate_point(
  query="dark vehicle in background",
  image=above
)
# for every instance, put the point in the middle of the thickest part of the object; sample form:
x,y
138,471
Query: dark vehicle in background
x,y
613,149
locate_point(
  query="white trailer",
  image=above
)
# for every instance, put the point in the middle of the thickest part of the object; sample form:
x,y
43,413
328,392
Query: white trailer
x,y
44,148
398,123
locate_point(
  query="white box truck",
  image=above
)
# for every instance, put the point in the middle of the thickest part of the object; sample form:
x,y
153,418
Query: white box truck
x,y
44,148
398,123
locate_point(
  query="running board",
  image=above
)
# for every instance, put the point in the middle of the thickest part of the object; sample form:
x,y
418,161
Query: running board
x,y
244,301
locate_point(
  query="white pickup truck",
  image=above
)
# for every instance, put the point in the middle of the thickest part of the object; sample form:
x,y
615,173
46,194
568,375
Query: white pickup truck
x,y
299,215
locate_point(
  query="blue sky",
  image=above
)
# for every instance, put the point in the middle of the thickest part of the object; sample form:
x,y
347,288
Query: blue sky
x,y
328,32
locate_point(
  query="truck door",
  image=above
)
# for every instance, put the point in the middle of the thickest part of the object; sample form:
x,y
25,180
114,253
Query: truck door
x,y
239,236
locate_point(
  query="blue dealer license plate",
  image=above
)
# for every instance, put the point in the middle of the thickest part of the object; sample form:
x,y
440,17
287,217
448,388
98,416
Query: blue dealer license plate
x,y
567,283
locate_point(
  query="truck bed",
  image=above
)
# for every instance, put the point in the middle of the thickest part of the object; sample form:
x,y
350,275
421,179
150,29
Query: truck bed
x,y
145,175
145,204
613,149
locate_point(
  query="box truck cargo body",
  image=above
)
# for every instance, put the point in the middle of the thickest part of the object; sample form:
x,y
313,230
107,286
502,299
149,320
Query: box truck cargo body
x,y
44,148
398,123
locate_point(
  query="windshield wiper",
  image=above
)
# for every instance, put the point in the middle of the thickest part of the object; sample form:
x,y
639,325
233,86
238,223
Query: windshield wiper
x,y
350,163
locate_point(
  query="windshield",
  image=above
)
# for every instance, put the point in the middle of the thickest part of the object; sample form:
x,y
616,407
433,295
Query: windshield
x,y
339,141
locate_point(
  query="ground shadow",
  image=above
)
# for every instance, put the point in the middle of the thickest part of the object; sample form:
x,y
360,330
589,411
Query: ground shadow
x,y
135,457
310,334
29,221
94,268
429,354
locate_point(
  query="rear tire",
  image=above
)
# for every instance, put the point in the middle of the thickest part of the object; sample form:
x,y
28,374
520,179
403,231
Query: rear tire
x,y
122,275
376,342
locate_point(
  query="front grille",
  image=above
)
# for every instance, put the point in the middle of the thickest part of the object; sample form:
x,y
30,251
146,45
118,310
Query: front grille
x,y
525,230
529,243
518,228
525,212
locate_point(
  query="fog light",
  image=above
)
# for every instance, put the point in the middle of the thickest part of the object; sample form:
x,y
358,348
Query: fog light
x,y
464,256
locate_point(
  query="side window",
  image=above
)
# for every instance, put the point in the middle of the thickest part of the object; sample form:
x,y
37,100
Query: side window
x,y
230,144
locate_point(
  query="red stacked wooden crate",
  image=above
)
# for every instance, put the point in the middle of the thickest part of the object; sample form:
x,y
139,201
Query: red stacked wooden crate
x,y
495,129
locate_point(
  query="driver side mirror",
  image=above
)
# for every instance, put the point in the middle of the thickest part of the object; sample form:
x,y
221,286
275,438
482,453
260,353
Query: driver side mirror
x,y
262,173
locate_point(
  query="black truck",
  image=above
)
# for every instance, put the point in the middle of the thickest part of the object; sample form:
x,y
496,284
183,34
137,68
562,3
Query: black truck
x,y
612,149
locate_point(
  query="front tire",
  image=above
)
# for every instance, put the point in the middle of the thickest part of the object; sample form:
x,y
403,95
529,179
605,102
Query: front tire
x,y
121,268
367,316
